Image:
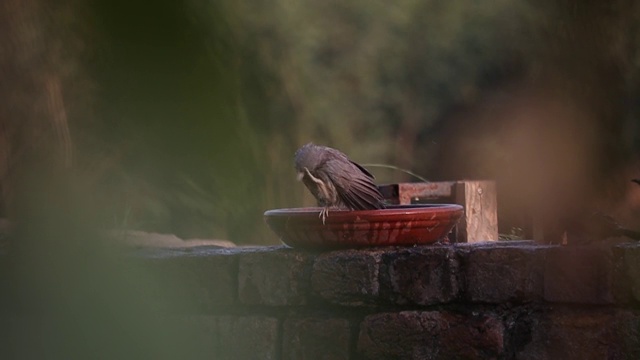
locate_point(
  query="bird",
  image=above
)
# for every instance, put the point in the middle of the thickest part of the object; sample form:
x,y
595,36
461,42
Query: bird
x,y
335,181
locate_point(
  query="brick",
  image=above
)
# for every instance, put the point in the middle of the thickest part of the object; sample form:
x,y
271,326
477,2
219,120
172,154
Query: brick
x,y
627,272
198,280
583,334
228,337
275,277
314,338
347,277
578,274
504,274
420,275
430,335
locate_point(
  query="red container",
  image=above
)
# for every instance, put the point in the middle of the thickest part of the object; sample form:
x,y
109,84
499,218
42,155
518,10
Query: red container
x,y
395,225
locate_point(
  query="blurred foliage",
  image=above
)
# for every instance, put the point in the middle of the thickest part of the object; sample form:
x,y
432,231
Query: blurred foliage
x,y
188,112
188,160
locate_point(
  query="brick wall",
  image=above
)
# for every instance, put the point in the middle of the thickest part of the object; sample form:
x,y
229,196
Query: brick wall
x,y
505,300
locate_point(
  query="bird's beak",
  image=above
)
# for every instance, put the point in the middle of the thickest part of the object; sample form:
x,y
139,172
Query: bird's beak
x,y
300,176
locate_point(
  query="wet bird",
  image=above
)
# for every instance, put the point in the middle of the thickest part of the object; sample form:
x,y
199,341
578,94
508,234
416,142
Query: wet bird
x,y
335,181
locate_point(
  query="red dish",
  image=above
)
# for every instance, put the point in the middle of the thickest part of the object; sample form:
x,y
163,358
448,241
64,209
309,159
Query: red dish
x,y
394,225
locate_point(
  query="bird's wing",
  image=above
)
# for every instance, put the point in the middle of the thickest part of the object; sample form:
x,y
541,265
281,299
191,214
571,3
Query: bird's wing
x,y
365,171
337,154
355,187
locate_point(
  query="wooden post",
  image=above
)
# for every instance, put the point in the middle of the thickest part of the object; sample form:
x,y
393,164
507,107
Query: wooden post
x,y
479,200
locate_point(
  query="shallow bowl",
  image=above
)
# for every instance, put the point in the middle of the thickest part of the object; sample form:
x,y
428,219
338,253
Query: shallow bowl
x,y
394,225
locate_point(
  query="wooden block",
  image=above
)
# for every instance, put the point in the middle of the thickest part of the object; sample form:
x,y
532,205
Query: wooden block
x,y
418,193
415,193
480,222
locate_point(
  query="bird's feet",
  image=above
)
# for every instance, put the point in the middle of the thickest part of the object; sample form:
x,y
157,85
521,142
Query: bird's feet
x,y
323,214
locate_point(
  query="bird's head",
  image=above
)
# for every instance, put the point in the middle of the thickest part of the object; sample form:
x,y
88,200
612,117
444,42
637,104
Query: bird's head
x,y
307,159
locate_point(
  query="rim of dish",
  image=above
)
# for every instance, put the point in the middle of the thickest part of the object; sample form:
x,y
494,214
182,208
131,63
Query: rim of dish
x,y
393,209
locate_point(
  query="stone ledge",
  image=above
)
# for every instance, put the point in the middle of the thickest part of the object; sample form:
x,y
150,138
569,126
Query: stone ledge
x,y
423,276
480,301
505,300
